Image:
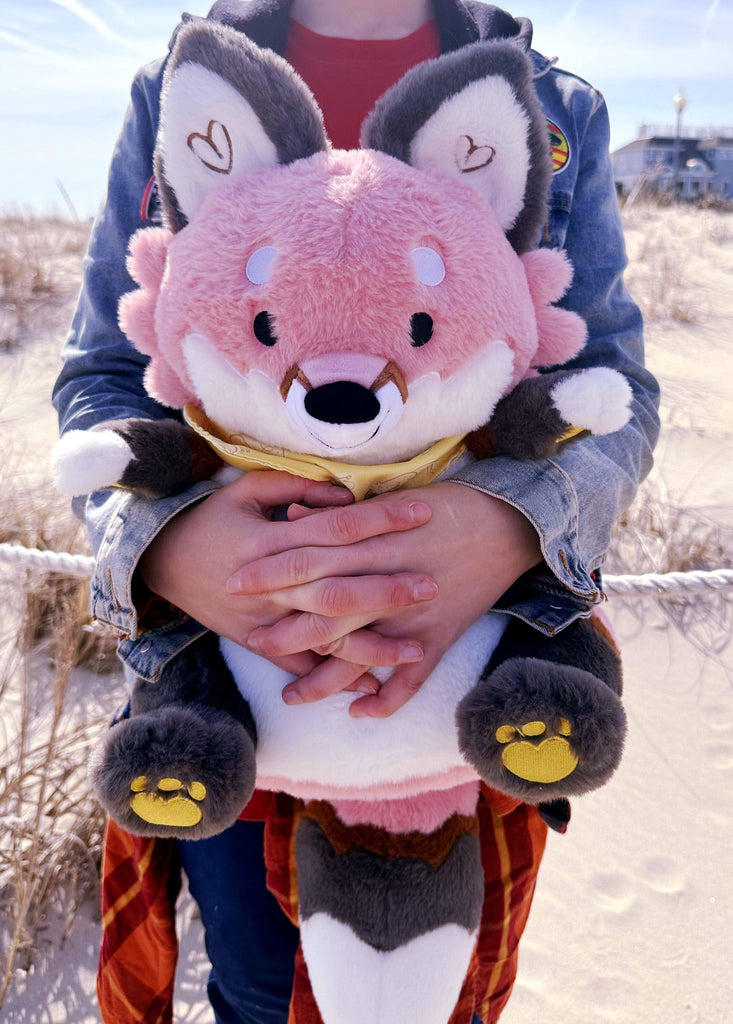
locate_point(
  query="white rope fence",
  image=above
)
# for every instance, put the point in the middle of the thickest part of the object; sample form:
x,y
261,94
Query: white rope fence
x,y
657,584
80,566
649,584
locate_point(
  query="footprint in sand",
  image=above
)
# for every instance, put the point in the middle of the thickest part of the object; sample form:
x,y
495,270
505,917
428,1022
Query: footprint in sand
x,y
610,995
717,714
664,875
719,755
614,891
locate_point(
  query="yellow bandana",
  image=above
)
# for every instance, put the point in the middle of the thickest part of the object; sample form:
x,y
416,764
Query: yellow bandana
x,y
569,433
245,453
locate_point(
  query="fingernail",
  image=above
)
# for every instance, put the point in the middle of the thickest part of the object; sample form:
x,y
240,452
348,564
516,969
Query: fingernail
x,y
253,644
412,652
233,585
368,688
425,590
292,697
419,511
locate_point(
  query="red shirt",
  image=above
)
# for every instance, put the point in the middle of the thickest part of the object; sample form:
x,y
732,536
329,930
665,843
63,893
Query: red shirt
x,y
347,76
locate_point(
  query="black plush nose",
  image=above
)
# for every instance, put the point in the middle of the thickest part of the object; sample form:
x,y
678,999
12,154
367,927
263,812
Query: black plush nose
x,y
343,401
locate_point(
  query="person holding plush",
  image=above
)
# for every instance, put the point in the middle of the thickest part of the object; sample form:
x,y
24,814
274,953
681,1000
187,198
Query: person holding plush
x,y
527,537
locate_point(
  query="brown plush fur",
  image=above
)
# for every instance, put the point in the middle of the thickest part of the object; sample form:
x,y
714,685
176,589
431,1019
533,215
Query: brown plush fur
x,y
432,847
169,457
526,424
268,83
532,677
191,724
408,105
388,902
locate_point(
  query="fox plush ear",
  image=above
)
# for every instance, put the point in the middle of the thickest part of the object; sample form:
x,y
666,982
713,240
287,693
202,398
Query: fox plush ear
x,y
227,108
473,114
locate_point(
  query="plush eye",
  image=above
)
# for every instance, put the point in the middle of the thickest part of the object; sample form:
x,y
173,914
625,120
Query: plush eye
x,y
421,329
263,328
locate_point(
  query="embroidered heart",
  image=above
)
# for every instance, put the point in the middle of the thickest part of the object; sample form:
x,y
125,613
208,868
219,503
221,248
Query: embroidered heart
x,y
470,157
214,149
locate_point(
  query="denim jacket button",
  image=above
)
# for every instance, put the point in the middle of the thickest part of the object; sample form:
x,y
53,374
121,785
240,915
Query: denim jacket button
x,y
145,647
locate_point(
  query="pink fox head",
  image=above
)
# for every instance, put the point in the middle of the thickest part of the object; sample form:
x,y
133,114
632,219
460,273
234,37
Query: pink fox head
x,y
350,304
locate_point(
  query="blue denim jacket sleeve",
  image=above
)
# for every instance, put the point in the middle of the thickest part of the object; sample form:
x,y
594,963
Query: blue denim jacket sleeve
x,y
574,498
102,379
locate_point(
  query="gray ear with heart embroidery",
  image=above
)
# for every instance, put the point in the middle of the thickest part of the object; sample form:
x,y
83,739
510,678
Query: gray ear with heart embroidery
x,y
227,108
473,114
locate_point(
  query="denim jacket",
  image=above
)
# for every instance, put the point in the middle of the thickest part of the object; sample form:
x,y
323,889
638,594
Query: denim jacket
x,y
572,499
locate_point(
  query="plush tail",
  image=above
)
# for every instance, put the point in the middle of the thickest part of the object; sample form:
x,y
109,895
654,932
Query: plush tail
x,y
388,919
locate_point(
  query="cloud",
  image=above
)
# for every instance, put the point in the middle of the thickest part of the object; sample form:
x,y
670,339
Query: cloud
x,y
120,11
709,17
94,21
571,12
26,45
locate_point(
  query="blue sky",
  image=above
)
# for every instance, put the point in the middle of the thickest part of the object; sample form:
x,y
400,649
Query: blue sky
x,y
66,66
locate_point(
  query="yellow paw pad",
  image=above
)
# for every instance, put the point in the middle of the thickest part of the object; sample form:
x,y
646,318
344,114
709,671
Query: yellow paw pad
x,y
167,804
197,790
550,760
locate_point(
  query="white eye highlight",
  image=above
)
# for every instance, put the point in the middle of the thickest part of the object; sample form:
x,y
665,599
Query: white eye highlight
x,y
429,265
258,265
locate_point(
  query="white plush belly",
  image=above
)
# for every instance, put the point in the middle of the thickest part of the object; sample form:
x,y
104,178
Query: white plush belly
x,y
322,746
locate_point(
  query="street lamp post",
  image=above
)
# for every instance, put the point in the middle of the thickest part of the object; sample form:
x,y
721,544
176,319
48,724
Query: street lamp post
x,y
680,102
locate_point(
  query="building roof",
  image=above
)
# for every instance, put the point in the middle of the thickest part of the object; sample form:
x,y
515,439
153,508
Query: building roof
x,y
690,149
721,141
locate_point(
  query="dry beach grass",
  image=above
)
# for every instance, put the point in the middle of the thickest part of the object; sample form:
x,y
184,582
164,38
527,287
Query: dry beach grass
x,y
56,689
50,829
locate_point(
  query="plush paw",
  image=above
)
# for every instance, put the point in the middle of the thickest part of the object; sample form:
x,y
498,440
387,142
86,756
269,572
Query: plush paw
x,y
529,753
183,772
538,731
597,399
88,460
168,802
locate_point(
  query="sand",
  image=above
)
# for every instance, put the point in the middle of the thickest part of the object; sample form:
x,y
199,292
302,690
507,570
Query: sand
x,y
632,916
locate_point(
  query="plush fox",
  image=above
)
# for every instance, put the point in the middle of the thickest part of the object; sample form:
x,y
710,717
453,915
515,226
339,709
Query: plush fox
x,y
376,317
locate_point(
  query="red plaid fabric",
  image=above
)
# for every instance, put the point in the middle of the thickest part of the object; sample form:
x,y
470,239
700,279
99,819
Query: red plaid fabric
x,y
137,959
141,878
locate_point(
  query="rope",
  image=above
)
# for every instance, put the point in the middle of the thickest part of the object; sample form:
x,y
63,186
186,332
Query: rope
x,y
649,584
81,566
654,584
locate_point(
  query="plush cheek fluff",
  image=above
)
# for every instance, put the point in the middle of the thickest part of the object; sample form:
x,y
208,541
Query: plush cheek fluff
x,y
372,317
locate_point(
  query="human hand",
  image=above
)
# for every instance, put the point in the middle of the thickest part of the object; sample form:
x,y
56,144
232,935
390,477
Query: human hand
x,y
474,547
193,556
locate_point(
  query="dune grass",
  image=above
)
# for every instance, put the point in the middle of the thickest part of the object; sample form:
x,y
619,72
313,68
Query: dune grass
x,y
35,271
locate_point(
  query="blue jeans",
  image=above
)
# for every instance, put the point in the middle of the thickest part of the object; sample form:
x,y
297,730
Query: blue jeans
x,y
250,942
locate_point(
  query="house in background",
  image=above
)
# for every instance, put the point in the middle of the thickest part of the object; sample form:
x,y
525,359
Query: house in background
x,y
718,151
697,163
